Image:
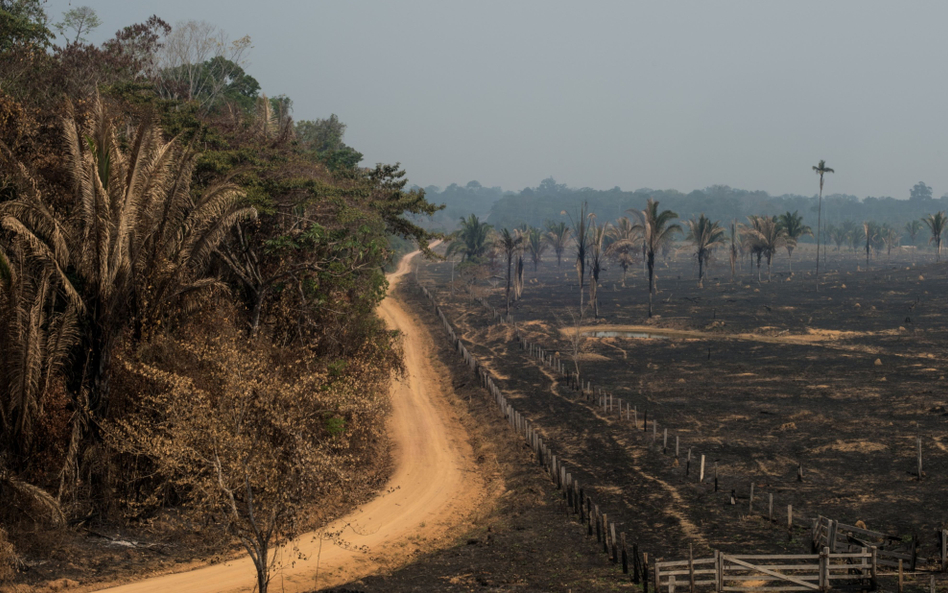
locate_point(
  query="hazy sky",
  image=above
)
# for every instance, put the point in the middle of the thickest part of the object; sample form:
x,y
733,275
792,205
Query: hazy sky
x,y
661,94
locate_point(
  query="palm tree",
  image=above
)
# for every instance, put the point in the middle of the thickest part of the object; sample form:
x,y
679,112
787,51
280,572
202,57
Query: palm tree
x,y
596,254
767,237
936,225
536,246
794,228
625,240
734,238
138,246
891,238
870,231
656,232
706,235
913,228
820,169
581,236
557,236
508,243
837,235
471,239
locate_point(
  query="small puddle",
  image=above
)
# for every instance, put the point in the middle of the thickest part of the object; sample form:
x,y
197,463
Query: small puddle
x,y
622,334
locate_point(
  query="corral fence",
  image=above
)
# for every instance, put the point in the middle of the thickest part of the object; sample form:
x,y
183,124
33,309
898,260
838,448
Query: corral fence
x,y
894,551
796,572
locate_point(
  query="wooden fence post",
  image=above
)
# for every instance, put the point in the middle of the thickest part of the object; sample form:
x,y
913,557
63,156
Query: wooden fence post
x,y
901,582
625,555
636,564
824,569
875,566
614,543
770,509
701,475
790,521
676,446
944,550
750,505
605,532
645,573
691,567
919,440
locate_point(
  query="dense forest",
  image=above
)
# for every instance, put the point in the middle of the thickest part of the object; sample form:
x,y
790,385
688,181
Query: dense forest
x,y
549,200
188,284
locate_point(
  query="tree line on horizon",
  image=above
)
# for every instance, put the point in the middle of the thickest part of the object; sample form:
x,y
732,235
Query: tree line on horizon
x,y
535,205
642,234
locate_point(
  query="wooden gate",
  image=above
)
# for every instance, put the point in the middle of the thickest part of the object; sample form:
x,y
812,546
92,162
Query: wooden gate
x,y
796,572
890,549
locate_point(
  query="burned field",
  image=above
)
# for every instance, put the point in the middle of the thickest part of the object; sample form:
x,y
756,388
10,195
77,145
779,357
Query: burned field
x,y
762,379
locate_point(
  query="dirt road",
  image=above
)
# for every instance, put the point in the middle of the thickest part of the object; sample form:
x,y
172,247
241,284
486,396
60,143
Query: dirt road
x,y
433,491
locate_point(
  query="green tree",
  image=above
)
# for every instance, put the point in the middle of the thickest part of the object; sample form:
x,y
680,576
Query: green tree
x,y
557,236
936,226
705,234
82,19
657,231
794,228
23,24
913,228
820,169
471,239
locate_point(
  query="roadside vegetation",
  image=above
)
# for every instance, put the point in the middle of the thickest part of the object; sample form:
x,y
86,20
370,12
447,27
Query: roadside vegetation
x,y
188,284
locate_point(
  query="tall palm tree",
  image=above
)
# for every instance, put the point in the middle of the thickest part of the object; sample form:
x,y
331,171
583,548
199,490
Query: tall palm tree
x,y
936,226
793,228
536,246
767,237
820,169
518,276
557,236
657,231
597,233
508,242
705,234
625,241
471,239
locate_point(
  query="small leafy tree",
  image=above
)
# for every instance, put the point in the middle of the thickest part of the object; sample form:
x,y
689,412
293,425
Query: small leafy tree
x,y
251,441
767,236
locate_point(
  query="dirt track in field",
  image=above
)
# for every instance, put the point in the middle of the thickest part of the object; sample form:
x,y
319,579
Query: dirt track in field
x,y
434,490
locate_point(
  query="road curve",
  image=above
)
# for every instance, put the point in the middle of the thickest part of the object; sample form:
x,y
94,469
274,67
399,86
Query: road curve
x,y
433,489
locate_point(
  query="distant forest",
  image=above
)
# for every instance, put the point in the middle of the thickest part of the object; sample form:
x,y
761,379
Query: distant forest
x,y
547,201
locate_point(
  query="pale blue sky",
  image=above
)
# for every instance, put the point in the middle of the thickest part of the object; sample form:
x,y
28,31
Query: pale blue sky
x,y
660,94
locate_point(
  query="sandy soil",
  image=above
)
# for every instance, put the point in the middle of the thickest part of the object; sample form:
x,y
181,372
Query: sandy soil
x,y
433,492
